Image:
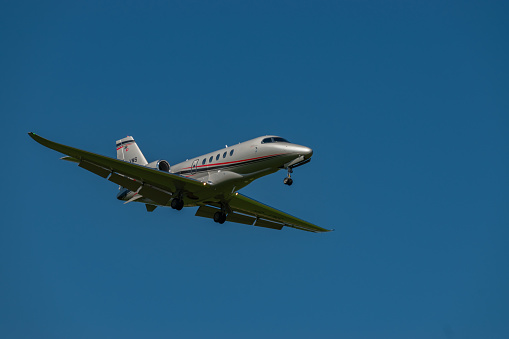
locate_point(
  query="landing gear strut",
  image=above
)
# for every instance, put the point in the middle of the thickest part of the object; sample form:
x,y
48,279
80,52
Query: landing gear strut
x,y
288,180
177,204
220,217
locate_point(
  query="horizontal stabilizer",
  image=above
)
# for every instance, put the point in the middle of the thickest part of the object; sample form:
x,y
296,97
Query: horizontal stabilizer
x,y
134,198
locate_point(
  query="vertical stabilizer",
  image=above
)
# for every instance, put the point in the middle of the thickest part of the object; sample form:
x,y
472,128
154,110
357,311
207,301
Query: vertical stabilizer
x,y
127,150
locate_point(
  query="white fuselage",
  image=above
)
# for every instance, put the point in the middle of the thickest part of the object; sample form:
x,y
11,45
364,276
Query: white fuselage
x,y
242,163
231,168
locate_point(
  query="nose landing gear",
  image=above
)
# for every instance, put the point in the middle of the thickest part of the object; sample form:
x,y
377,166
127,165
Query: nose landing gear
x,y
288,180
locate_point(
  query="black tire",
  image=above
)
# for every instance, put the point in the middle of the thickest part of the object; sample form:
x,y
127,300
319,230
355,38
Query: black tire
x,y
288,181
177,204
219,217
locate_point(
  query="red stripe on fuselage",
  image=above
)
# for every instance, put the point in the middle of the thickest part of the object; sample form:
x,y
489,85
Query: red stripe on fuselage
x,y
232,162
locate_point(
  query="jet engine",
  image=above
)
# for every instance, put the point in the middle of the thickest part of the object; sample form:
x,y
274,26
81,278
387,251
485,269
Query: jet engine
x,y
161,165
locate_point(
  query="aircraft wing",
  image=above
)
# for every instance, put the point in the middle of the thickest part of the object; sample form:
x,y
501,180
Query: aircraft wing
x,y
251,212
151,183
247,205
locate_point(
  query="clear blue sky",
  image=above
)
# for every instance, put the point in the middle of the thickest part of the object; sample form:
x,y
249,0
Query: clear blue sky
x,y
405,104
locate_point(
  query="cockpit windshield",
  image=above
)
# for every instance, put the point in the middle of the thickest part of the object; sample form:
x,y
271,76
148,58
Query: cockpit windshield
x,y
274,139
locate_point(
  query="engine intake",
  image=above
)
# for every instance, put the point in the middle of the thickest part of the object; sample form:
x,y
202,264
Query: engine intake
x,y
161,165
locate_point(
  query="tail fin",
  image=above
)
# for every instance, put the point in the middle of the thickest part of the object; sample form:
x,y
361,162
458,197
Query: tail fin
x,y
127,150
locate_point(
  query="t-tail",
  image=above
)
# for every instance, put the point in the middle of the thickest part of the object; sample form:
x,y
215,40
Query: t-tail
x,y
128,150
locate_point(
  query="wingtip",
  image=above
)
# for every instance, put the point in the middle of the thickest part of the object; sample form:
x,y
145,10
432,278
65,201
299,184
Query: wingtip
x,y
35,137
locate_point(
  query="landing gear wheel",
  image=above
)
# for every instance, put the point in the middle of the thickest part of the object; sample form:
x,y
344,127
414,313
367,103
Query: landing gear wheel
x,y
219,217
177,204
288,181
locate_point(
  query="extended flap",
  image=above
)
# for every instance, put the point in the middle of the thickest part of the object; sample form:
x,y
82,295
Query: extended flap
x,y
268,224
100,171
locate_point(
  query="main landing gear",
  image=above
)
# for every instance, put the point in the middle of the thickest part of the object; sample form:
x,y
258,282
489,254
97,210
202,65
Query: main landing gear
x,y
177,204
220,217
288,180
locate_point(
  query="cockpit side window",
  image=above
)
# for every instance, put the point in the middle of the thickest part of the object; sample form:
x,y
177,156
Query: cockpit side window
x,y
274,139
278,139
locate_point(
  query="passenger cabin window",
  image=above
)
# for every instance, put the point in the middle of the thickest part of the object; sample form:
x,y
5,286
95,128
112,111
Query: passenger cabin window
x,y
204,161
274,139
217,157
224,155
231,153
211,158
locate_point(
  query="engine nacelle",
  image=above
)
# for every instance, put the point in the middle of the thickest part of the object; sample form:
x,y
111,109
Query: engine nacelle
x,y
161,165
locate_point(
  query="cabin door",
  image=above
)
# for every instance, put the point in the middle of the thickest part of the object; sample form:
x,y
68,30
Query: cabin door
x,y
194,166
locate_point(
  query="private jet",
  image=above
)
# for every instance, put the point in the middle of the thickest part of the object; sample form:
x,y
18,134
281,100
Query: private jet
x,y
210,182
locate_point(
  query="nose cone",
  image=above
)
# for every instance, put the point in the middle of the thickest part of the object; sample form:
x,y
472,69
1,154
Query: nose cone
x,y
305,151
308,153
